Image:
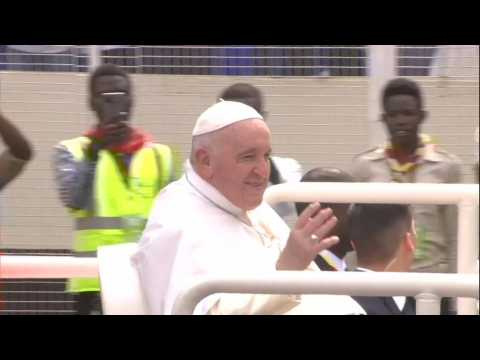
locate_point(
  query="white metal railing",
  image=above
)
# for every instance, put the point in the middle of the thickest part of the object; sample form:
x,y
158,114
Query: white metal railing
x,y
430,285
459,61
427,288
465,196
267,60
46,267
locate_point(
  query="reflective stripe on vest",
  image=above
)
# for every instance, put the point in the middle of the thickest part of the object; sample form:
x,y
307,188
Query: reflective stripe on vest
x,y
98,222
85,254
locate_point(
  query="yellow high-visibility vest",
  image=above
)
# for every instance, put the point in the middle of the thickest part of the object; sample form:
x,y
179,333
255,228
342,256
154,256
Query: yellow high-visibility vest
x,y
121,201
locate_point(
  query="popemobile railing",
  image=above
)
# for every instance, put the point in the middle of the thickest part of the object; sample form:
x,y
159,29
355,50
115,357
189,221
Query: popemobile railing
x,y
427,288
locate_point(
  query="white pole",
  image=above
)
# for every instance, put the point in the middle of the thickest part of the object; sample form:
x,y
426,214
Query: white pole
x,y
379,193
95,58
381,68
467,249
427,304
51,267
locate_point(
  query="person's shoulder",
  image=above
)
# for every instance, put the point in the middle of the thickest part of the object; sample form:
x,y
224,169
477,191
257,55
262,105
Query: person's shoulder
x,y
6,157
159,145
166,208
72,147
441,156
79,140
179,201
175,191
160,149
447,156
163,150
156,238
373,153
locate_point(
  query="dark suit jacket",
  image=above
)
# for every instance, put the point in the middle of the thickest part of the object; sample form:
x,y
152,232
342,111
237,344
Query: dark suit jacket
x,y
378,305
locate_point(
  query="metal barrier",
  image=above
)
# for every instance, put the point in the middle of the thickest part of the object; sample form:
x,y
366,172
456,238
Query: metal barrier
x,y
247,60
43,267
425,287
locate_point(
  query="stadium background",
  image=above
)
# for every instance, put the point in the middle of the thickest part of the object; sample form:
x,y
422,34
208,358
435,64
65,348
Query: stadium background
x,y
318,99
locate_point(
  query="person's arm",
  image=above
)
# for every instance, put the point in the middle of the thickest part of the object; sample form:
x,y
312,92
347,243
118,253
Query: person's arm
x,y
247,304
74,178
297,255
18,152
16,142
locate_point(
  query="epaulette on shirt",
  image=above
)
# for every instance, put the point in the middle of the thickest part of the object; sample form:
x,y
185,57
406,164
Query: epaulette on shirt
x,y
445,154
433,152
372,153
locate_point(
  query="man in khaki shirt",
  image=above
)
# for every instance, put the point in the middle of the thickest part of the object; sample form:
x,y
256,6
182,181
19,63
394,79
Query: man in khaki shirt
x,y
412,157
17,154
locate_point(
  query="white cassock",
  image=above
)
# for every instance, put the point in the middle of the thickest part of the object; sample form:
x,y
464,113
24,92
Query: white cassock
x,y
194,231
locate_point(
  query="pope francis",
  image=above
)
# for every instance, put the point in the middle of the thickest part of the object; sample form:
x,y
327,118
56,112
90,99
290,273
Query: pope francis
x,y
213,221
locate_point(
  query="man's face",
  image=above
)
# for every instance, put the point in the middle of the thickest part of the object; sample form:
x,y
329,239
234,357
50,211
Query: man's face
x,y
240,165
111,99
402,117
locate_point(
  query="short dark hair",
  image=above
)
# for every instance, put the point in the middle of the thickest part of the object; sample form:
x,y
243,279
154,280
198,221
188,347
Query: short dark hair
x,y
106,70
402,86
377,230
323,174
244,93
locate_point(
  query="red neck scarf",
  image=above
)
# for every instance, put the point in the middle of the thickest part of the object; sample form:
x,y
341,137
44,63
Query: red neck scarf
x,y
401,156
137,140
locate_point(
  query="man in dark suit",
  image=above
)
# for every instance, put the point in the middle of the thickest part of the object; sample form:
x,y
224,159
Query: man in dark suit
x,y
332,259
384,238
